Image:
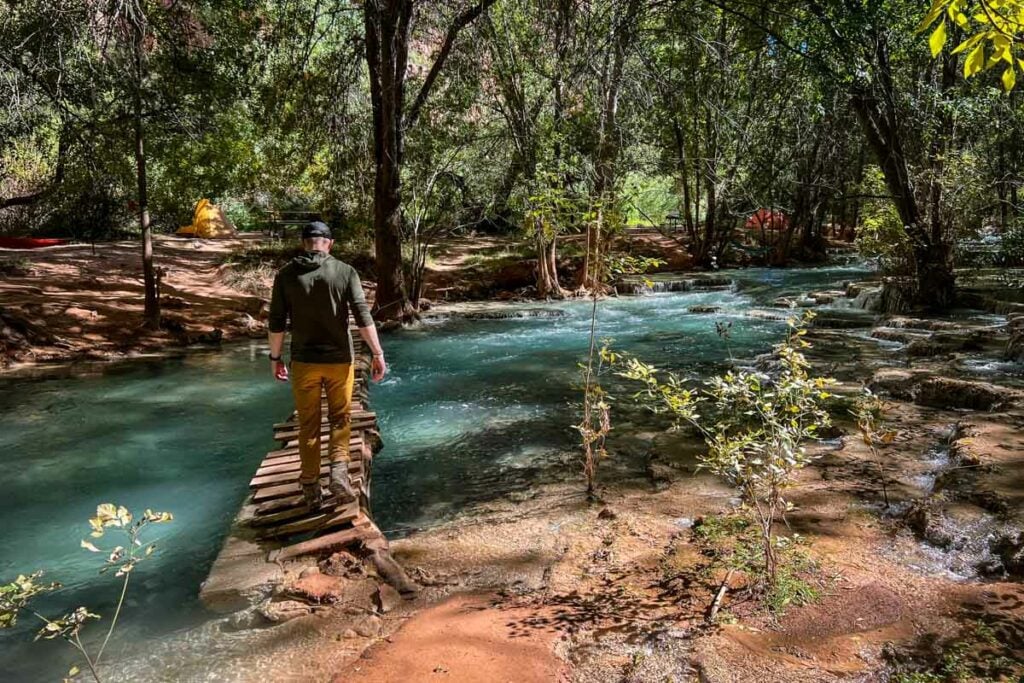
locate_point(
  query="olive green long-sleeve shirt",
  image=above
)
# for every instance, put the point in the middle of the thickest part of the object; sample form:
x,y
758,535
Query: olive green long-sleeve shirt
x,y
316,292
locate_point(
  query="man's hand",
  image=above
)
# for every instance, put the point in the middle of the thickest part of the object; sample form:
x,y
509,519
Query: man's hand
x,y
378,368
279,370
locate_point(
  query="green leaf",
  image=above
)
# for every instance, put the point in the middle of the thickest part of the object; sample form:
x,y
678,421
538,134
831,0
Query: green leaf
x,y
938,39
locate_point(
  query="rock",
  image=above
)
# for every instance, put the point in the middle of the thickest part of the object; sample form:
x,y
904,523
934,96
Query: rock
x,y
945,392
926,348
522,496
896,383
387,598
1009,548
942,392
369,626
703,309
606,513
921,520
919,324
317,588
343,564
868,299
392,572
309,571
349,634
1015,347
894,334
278,612
247,619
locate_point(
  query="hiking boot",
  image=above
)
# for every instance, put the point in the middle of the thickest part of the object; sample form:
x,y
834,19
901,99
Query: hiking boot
x,y
312,495
340,485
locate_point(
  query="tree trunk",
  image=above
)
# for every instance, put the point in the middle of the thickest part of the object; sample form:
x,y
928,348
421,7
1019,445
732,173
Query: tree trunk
x,y
548,286
935,282
152,307
387,25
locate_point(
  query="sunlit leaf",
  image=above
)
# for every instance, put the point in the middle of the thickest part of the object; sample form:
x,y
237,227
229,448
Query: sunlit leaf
x,y
938,39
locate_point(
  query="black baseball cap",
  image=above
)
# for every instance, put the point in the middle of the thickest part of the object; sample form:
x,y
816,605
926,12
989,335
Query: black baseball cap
x,y
316,229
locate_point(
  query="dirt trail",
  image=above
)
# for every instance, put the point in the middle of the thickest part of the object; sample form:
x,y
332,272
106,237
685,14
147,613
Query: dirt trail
x,y
67,303
463,639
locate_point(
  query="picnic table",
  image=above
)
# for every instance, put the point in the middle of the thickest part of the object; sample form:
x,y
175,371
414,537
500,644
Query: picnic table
x,y
282,222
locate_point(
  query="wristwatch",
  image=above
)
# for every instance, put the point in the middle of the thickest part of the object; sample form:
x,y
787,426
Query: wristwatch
x,y
274,358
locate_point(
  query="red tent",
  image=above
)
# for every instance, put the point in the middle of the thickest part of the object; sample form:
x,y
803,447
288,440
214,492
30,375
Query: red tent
x,y
763,219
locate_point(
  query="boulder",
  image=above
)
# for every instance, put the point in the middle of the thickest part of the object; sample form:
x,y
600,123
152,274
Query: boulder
x,y
1009,548
343,564
316,588
946,392
387,598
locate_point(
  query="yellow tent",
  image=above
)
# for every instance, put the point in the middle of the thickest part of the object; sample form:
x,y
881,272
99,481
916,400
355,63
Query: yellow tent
x,y
208,221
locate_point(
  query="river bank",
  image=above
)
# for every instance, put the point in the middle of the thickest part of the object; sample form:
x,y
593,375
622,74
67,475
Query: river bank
x,y
478,486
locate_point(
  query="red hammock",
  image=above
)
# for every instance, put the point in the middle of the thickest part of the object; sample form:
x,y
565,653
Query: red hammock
x,y
30,242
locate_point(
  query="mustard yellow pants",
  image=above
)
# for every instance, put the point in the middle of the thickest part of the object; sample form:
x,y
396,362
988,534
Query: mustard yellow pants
x,y
336,379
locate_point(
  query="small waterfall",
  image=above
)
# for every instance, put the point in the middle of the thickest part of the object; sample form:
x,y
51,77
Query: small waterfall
x,y
635,287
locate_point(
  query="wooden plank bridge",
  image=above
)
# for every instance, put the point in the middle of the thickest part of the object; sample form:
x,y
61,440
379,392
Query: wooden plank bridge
x,y
279,514
275,525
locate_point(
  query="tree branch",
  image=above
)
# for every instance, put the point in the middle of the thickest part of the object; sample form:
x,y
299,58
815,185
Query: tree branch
x,y
460,23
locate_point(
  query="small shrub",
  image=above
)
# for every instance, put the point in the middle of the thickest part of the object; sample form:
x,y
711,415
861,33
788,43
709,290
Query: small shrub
x,y
16,597
753,424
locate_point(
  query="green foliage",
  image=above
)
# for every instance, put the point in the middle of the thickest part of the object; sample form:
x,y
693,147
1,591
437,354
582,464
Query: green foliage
x,y
652,197
733,541
967,657
753,424
16,597
869,411
1011,250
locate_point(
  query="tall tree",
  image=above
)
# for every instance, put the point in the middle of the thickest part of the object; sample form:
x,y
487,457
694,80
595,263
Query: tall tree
x,y
388,33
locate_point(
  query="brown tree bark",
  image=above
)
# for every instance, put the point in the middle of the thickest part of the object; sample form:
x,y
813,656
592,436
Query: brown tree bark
x,y
152,296
388,26
934,279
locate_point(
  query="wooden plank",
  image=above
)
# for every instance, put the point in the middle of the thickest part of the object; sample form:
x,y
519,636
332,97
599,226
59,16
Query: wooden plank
x,y
302,511
338,539
355,467
290,464
289,489
323,520
359,415
355,450
291,453
325,429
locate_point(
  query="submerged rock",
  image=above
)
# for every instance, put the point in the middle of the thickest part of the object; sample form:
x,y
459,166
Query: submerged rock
x,y
280,611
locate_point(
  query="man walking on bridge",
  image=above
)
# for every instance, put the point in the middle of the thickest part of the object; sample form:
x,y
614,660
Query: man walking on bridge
x,y
316,292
